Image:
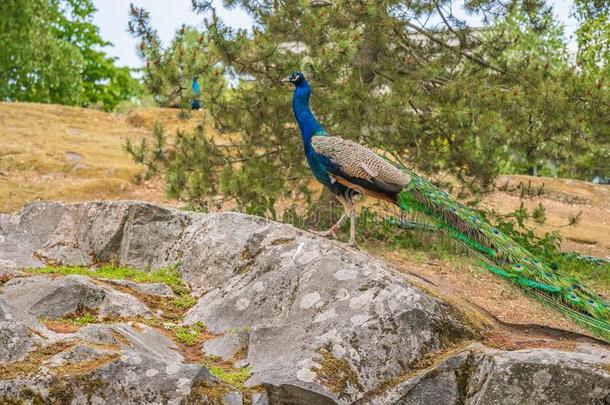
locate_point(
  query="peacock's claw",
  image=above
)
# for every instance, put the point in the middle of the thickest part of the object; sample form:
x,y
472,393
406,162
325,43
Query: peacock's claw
x,y
330,233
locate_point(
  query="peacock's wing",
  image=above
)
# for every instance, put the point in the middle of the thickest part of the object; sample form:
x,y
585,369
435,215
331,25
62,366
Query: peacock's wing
x,y
359,168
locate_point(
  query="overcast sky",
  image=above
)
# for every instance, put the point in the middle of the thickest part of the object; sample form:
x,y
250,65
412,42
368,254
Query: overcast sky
x,y
169,15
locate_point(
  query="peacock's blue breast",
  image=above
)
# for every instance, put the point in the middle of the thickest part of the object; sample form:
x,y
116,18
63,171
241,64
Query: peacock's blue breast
x,y
319,166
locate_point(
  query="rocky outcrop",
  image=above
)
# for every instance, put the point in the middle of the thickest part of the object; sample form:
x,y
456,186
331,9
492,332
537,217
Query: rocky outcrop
x,y
46,297
480,375
79,371
314,321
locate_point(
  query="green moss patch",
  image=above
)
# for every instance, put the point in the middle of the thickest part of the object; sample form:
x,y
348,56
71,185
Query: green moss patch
x,y
168,275
189,335
172,308
184,301
236,377
70,324
336,374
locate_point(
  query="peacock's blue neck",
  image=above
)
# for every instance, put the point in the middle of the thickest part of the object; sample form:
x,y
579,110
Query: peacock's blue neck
x,y
308,124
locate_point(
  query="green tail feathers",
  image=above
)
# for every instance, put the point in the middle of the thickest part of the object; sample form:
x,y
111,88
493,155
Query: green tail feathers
x,y
504,257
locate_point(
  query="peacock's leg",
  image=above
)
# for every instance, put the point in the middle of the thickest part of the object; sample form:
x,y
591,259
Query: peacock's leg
x,y
352,223
333,229
350,209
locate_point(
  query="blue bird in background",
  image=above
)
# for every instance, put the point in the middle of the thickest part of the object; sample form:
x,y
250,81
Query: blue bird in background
x,y
195,104
346,169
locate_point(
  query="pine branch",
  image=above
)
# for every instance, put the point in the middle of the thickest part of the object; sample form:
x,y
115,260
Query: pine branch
x,y
454,49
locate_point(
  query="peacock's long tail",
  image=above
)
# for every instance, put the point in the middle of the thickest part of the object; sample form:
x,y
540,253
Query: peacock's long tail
x,y
506,258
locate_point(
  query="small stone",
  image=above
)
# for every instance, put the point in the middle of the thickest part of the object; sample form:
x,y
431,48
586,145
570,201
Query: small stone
x,y
242,304
359,319
343,275
151,372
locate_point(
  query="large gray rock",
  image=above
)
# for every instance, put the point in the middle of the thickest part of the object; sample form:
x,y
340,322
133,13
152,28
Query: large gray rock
x,y
19,333
311,305
542,376
319,323
481,376
87,373
56,297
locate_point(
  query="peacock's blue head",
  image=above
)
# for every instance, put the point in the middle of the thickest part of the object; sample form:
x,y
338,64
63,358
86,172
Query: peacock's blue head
x,y
296,78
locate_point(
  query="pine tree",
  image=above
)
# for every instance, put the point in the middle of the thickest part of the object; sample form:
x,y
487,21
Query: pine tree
x,y
448,99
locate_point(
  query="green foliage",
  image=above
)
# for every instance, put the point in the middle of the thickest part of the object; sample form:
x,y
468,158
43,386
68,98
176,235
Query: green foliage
x,y
593,35
170,72
75,319
236,378
189,335
447,100
168,275
85,319
184,301
51,53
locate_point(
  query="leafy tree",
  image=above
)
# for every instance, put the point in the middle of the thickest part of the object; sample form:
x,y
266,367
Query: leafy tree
x,y
555,117
450,100
50,52
35,64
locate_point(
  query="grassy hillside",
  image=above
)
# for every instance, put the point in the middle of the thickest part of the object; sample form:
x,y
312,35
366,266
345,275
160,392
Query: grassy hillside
x,y
51,152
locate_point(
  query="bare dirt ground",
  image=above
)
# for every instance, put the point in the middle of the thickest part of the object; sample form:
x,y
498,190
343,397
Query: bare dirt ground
x,y
50,152
517,321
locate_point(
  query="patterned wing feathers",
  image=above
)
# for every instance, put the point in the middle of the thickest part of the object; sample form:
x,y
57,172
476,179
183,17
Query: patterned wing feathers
x,y
360,162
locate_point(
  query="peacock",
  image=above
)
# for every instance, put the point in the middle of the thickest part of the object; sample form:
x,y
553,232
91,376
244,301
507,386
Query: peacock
x,y
347,168
195,103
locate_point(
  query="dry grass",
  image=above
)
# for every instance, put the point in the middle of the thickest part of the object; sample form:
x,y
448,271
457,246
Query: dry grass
x,y
591,236
474,290
51,152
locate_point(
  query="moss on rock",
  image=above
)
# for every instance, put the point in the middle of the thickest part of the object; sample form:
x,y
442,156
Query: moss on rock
x,y
336,374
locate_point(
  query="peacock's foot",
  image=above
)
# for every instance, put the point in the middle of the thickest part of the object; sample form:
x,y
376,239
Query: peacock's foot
x,y
352,242
332,233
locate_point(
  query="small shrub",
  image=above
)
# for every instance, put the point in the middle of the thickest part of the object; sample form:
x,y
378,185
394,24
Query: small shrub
x,y
189,335
236,378
85,319
184,301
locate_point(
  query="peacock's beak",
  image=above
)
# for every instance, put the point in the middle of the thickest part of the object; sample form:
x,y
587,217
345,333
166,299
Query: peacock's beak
x,y
286,80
